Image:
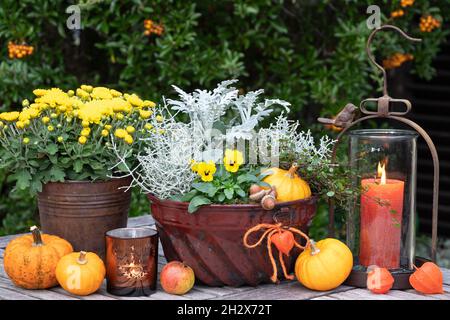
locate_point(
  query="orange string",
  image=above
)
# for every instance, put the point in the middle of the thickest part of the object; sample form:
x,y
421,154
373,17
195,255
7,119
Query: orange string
x,y
271,229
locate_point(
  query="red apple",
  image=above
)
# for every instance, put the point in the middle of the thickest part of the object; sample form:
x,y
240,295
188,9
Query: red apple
x,y
177,278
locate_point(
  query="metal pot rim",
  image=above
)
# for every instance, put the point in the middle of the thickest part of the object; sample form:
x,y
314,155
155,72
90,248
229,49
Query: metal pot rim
x,y
313,198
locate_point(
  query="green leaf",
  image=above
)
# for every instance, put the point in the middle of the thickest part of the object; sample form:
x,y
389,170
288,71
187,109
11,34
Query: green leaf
x,y
188,196
330,194
78,166
52,149
23,179
221,197
241,193
247,178
229,193
196,202
57,174
205,187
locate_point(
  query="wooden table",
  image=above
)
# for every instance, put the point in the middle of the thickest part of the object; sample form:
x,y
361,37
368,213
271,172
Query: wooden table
x,y
288,290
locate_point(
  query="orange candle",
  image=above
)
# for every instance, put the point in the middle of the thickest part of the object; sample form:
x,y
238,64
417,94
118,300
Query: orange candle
x,y
381,219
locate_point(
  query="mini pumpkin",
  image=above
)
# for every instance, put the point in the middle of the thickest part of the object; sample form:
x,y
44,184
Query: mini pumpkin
x,y
288,184
80,273
324,265
30,261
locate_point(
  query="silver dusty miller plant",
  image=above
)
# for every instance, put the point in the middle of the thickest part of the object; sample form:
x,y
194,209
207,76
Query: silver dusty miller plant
x,y
206,110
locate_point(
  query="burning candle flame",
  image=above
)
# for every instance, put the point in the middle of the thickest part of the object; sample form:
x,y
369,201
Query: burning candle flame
x,y
382,172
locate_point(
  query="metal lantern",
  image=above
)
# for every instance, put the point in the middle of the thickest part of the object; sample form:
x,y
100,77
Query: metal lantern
x,y
380,226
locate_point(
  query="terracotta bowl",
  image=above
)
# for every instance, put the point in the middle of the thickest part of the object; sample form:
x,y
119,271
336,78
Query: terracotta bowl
x,y
210,240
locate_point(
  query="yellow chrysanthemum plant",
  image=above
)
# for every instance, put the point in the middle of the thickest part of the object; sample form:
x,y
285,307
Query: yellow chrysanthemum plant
x,y
69,135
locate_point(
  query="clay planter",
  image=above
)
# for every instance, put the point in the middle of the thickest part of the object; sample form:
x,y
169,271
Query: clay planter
x,y
210,240
81,212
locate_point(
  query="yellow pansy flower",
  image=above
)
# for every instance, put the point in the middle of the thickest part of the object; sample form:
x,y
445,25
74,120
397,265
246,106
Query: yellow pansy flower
x,y
194,165
232,160
206,170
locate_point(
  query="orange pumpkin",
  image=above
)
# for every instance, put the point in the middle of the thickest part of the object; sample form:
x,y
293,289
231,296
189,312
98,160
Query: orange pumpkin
x,y
427,279
379,280
80,273
30,261
288,185
324,265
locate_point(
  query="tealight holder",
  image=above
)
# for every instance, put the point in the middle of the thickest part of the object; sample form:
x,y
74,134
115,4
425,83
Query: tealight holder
x,y
380,224
131,261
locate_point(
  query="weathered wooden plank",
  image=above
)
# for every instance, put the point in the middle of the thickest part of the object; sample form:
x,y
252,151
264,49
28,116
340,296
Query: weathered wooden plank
x,y
146,220
362,294
39,294
7,294
324,298
409,295
287,290
2,253
446,275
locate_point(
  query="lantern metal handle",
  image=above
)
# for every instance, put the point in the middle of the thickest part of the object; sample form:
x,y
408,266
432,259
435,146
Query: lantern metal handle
x,y
371,56
384,112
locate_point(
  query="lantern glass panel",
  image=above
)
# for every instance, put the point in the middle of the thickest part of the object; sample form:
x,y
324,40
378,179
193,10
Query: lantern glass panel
x,y
381,221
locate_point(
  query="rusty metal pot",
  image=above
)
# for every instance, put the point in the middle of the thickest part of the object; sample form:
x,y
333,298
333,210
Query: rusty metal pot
x,y
210,240
81,211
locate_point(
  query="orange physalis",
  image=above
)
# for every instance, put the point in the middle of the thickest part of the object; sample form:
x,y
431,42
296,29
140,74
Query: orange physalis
x,y
397,13
379,280
427,279
284,241
396,60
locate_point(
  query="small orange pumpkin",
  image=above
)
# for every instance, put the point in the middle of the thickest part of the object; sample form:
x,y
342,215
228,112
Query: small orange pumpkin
x,y
324,265
288,185
30,260
427,279
379,280
80,273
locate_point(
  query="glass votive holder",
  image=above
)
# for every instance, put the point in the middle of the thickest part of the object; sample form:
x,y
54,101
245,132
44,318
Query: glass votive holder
x,y
131,261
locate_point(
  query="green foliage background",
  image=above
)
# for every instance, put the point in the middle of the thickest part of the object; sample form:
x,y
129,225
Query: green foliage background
x,y
310,53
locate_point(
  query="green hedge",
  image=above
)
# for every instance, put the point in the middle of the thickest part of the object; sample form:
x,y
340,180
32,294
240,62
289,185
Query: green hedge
x,y
310,53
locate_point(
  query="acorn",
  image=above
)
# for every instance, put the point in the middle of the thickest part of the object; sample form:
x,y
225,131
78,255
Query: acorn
x,y
254,188
268,202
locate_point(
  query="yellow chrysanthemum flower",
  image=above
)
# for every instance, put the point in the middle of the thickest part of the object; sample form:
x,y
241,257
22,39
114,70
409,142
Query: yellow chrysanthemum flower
x,y
85,132
50,128
86,88
20,125
120,133
60,139
108,126
82,140
232,160
145,114
39,92
159,118
115,93
25,103
148,104
119,116
206,170
135,101
148,126
45,120
128,139
10,116
26,140
105,133
131,129
101,93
